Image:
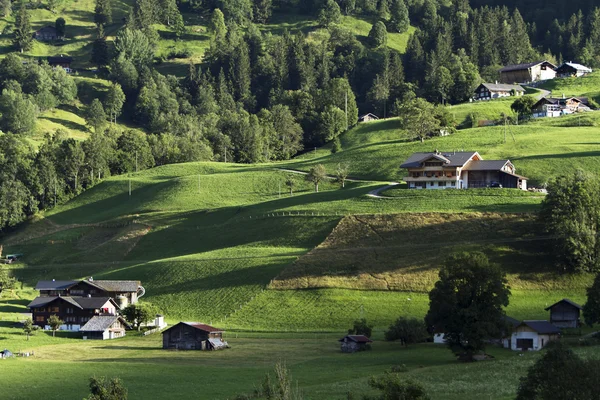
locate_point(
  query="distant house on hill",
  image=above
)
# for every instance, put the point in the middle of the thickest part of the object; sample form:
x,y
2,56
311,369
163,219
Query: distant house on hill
x,y
557,107
47,34
529,72
460,170
354,343
533,335
74,311
103,327
193,336
61,62
489,91
565,314
570,69
368,117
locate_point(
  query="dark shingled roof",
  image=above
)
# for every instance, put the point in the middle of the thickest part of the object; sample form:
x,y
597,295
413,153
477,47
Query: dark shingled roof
x,y
455,159
518,67
197,325
356,338
501,87
486,165
42,301
60,60
79,302
512,321
47,29
100,323
54,285
541,327
565,301
117,286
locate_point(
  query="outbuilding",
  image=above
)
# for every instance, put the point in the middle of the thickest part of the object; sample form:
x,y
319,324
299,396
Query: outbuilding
x,y
103,327
565,314
193,336
533,335
529,72
368,118
490,91
571,69
354,343
6,354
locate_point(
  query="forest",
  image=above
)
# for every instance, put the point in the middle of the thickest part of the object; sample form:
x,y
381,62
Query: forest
x,y
260,97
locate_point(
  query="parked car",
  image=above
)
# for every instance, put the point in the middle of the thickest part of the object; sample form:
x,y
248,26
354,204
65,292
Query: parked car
x,y
496,185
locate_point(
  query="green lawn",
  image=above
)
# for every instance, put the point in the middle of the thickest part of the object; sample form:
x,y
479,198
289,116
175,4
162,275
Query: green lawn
x,y
587,86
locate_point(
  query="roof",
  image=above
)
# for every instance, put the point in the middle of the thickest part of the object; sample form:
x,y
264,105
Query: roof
x,y
486,165
541,327
60,59
501,87
572,303
356,338
117,286
514,322
47,29
368,115
575,66
100,323
455,159
515,175
42,301
217,343
197,325
79,302
54,285
518,67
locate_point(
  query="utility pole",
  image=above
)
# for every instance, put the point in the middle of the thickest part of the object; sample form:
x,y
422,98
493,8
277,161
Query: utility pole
x,y
136,167
346,109
225,153
198,184
129,187
55,192
279,189
504,128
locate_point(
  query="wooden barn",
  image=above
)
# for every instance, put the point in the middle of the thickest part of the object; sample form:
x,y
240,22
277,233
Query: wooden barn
x,y
571,69
193,336
565,314
530,72
354,343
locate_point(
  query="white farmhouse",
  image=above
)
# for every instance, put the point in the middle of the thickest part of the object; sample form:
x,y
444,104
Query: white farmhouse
x,y
533,335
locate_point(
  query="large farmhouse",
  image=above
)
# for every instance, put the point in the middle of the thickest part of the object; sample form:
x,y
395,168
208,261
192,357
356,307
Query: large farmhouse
x,y
460,170
490,91
530,72
123,292
556,107
193,336
74,311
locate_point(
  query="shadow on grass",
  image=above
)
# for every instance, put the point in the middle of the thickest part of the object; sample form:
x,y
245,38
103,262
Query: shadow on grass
x,y
69,124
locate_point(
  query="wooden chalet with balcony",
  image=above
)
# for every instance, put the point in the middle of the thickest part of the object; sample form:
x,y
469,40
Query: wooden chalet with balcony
x,y
460,170
491,91
74,311
123,292
529,72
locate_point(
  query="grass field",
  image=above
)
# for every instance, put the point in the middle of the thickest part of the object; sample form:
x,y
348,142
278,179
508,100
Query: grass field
x,y
585,86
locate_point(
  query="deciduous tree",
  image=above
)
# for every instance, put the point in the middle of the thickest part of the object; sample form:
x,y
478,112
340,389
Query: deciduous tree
x,y
22,33
316,175
392,387
55,323
407,331
95,115
107,389
139,313
361,327
28,327
341,172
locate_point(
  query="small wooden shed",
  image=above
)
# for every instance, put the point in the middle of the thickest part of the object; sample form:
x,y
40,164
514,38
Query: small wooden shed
x,y
368,117
354,343
565,314
193,336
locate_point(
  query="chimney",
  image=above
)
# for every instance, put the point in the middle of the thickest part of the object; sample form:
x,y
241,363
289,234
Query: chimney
x,y
564,97
89,295
496,82
91,279
53,280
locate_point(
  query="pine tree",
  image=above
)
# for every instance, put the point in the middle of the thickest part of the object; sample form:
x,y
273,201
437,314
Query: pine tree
x,y
378,34
330,13
217,26
520,47
22,34
262,10
103,13
414,60
399,16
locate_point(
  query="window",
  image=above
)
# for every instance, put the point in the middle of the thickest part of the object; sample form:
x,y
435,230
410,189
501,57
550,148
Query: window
x,y
54,309
433,164
442,184
452,183
71,319
41,309
69,310
39,319
524,344
77,291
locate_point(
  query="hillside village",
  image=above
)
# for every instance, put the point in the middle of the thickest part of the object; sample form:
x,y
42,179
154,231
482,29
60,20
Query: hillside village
x,y
331,199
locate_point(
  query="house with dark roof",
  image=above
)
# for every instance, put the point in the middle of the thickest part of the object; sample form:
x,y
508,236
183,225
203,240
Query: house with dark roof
x,y
193,336
74,311
557,107
460,170
565,314
123,292
528,72
533,335
61,62
354,343
571,69
47,34
490,91
104,327
368,118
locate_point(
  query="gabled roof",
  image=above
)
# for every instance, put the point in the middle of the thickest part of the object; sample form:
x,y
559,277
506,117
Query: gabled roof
x,y
512,321
501,87
519,67
575,66
567,301
541,327
455,159
117,286
356,339
42,301
83,303
54,285
368,115
486,165
197,325
100,323
60,60
47,29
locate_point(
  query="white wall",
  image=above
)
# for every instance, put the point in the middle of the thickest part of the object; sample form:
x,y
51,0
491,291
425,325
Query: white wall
x,y
439,338
537,339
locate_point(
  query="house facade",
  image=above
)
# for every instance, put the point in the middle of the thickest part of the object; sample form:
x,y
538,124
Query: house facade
x,y
490,91
354,343
460,170
368,118
123,292
557,107
533,335
61,62
565,314
47,34
104,327
74,311
571,69
193,336
530,72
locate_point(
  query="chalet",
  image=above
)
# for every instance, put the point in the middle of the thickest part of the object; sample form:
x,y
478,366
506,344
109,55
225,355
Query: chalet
x,y
530,72
47,34
570,69
565,314
354,343
557,107
533,335
103,327
74,311
460,170
193,336
368,118
124,292
489,91
61,62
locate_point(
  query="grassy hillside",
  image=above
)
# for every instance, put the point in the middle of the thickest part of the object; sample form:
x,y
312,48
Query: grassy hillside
x,y
587,86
